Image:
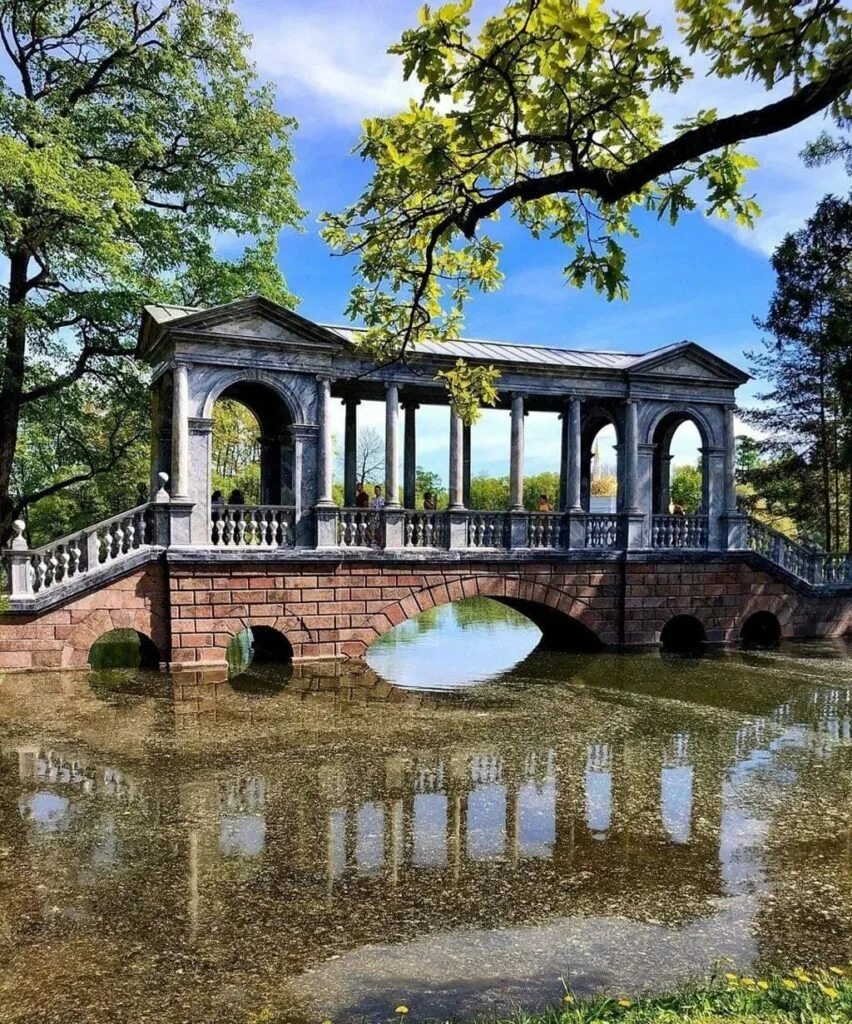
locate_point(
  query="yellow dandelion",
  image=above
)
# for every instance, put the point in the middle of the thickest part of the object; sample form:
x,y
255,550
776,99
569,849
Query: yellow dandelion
x,y
838,971
748,982
731,979
828,990
402,1009
624,1002
801,975
789,983
763,984
567,999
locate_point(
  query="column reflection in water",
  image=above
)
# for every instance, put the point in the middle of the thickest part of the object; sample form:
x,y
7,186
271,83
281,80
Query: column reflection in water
x,y
537,807
598,789
242,817
336,842
370,838
486,808
676,779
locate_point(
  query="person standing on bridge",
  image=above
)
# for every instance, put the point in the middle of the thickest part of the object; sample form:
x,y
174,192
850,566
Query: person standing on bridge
x,y
362,499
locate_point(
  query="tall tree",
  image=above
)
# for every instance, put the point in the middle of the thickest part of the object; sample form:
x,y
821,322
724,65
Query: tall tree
x,y
132,134
807,412
551,113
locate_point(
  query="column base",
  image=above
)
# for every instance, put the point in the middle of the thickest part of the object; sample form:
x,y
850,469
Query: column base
x,y
326,520
393,519
518,528
457,531
633,530
733,528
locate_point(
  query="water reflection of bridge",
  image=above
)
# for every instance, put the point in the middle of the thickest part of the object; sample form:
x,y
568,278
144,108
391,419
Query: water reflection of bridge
x,y
328,838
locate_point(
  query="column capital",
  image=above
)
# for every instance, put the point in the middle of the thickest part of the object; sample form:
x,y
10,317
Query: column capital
x,y
349,400
407,403
391,384
324,379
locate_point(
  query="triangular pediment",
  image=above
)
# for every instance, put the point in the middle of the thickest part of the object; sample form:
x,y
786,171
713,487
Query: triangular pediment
x,y
688,361
252,319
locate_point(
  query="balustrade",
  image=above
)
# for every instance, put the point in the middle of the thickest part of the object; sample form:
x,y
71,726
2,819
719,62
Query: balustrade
x,y
358,528
252,526
679,531
602,531
82,552
801,561
546,530
487,530
836,568
426,529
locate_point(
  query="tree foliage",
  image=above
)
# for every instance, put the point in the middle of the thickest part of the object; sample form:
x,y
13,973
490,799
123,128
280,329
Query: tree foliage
x,y
552,113
805,469
686,488
235,461
132,134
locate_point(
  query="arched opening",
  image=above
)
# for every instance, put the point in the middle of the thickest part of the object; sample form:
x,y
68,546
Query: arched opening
x,y
252,451
680,479
454,645
761,630
600,473
471,641
124,648
259,659
683,634
558,632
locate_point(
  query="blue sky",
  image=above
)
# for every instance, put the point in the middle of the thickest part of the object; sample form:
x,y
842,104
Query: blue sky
x,y
703,280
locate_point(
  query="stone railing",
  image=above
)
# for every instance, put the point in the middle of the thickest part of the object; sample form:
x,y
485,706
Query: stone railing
x,y
83,552
836,568
798,559
546,530
807,561
602,530
679,531
487,530
358,527
427,529
252,526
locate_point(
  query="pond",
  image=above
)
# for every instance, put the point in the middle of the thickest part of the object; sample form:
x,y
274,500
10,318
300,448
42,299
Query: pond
x,y
326,841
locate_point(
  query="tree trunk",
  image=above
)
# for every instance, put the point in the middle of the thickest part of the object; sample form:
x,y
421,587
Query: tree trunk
x,y
11,388
824,460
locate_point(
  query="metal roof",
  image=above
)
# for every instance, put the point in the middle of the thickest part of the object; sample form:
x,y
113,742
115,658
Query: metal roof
x,y
505,352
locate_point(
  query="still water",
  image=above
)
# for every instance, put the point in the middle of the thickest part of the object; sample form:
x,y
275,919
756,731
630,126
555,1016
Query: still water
x,y
326,842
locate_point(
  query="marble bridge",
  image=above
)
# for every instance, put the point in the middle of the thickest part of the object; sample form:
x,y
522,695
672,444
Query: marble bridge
x,y
188,574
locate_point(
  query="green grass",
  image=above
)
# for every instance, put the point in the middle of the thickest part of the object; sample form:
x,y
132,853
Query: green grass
x,y
820,997
796,997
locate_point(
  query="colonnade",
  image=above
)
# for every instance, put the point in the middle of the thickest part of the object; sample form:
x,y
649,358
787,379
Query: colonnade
x,y
459,452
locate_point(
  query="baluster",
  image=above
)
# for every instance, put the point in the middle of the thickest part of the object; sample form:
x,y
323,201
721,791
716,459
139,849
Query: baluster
x,y
41,572
74,560
129,535
409,531
428,531
64,562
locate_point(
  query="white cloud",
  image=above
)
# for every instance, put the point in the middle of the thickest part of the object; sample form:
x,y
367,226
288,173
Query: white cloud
x,y
332,57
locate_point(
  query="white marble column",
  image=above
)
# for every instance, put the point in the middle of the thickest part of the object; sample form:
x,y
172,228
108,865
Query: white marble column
x,y
392,446
324,474
516,455
180,432
571,454
456,461
631,456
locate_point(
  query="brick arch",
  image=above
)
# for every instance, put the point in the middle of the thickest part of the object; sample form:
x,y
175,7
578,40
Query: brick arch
x,y
776,604
100,621
555,597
